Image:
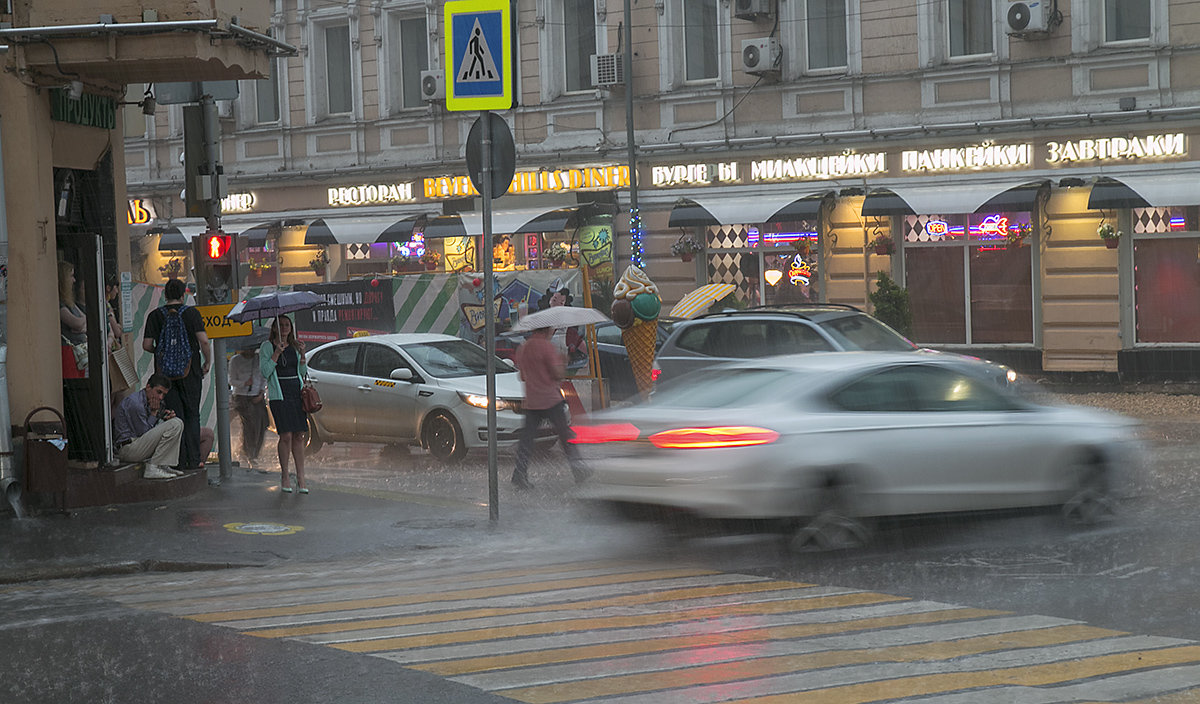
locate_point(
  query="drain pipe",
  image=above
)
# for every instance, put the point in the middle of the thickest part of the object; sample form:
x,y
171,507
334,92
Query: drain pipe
x,y
10,488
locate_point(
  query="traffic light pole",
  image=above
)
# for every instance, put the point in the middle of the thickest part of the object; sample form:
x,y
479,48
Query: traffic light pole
x,y
212,146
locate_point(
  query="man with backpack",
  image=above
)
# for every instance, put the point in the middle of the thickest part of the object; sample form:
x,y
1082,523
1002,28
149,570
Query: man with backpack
x,y
175,334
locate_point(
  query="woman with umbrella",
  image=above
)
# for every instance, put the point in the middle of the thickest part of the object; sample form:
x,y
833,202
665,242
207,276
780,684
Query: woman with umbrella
x,y
281,359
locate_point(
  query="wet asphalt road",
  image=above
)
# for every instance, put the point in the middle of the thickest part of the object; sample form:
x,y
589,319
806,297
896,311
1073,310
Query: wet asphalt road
x,y
1137,574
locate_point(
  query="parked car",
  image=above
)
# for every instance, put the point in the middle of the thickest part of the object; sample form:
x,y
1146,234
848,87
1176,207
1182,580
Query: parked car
x,y
423,389
786,329
614,358
817,444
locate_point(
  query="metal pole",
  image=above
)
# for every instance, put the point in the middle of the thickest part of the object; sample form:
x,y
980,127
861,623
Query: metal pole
x,y
212,157
634,213
489,317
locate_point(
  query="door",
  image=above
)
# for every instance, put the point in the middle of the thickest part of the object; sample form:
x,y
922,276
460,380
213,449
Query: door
x,y
334,371
388,408
88,402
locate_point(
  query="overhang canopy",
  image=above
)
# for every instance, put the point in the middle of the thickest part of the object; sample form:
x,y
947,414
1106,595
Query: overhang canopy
x,y
176,237
1144,191
952,198
354,229
509,222
724,210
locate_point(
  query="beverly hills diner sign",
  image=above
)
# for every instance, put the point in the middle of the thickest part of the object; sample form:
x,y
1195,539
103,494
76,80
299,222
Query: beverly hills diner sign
x,y
987,156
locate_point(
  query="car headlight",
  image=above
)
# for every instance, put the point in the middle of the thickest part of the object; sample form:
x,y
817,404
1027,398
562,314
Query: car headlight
x,y
480,401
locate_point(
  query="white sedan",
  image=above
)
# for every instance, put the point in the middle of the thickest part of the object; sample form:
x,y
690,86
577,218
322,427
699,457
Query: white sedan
x,y
411,388
823,441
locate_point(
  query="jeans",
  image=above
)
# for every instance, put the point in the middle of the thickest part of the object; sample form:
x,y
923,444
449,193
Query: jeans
x,y
557,415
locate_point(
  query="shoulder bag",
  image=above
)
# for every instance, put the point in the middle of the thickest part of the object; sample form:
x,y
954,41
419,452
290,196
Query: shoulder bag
x,y
310,400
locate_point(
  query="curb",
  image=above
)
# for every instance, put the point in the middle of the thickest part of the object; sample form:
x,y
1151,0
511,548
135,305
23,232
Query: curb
x,y
38,574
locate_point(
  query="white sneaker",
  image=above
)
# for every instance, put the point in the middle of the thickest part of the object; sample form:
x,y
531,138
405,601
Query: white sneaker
x,y
173,472
154,471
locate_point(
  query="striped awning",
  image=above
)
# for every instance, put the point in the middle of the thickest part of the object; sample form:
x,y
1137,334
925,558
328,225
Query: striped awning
x,y
176,237
725,210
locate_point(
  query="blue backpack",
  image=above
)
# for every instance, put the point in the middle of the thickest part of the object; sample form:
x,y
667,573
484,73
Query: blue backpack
x,y
173,351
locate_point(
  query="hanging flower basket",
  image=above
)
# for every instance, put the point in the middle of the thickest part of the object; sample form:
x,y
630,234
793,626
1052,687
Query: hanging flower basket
x,y
883,245
686,247
1016,237
319,262
1110,235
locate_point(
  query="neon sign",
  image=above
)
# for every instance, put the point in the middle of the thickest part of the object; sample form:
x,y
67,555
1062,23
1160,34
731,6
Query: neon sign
x,y
415,247
976,158
993,227
800,271
1117,148
937,228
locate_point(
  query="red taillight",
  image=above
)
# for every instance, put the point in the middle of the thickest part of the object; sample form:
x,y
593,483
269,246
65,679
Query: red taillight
x,y
725,436
614,432
654,374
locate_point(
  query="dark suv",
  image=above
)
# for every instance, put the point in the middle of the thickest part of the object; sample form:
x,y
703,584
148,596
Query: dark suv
x,y
772,330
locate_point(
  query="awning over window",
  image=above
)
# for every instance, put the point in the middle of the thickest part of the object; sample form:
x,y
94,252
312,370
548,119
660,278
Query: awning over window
x,y
348,230
510,222
256,235
952,197
1144,191
725,210
176,237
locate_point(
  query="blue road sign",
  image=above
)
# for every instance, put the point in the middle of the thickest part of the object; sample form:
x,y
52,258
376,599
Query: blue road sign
x,y
478,55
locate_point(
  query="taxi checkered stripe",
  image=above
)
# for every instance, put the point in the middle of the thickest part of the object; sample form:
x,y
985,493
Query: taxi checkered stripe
x,y
629,633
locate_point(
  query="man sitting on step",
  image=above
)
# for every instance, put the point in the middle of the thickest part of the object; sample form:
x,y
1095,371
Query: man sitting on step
x,y
147,431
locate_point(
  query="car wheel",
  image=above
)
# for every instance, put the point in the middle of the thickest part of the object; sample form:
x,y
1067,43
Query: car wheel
x,y
315,441
444,439
832,525
1092,501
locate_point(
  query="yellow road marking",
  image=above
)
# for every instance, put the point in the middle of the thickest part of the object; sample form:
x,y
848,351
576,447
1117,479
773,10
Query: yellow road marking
x,y
476,593
640,647
1025,676
443,616
744,669
696,614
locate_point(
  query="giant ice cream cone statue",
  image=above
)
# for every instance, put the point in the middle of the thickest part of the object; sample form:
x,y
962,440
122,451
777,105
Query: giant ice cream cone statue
x,y
635,310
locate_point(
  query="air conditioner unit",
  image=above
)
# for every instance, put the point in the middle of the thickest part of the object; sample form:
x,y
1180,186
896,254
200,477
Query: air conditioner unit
x,y
751,9
761,56
607,70
1028,16
433,85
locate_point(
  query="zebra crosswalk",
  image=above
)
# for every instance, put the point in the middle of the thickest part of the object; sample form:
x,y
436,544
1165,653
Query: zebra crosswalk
x,y
622,632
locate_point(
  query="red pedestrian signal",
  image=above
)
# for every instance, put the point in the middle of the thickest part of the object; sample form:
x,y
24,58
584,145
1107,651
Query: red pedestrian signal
x,y
216,246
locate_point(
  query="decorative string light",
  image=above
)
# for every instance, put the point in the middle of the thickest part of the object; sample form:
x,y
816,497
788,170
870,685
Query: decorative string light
x,y
636,238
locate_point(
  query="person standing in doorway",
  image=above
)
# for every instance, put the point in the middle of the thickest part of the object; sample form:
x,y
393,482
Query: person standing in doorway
x,y
184,395
281,359
249,400
542,367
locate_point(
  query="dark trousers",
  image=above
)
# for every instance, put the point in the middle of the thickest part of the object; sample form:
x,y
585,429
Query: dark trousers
x,y
184,398
253,412
557,415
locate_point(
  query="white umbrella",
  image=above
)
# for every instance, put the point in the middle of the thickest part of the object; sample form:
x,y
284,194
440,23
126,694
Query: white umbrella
x,y
560,317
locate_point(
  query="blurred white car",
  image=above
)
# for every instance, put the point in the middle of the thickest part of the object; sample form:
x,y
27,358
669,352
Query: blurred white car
x,y
822,441
424,389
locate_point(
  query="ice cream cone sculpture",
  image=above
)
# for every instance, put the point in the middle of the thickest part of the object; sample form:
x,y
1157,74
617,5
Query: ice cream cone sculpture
x,y
635,310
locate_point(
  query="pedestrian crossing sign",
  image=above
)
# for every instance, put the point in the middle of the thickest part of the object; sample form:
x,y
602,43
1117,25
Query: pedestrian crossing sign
x,y
478,55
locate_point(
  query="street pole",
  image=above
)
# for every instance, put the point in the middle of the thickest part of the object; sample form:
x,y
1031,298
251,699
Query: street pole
x,y
489,317
635,218
212,157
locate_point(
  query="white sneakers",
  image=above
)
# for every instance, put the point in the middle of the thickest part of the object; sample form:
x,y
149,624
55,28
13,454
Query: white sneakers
x,y
154,471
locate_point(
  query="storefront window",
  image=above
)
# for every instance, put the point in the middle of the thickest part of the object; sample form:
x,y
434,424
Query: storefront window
x,y
1166,274
970,278
770,264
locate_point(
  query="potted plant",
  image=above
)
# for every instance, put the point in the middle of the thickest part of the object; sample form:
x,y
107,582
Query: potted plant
x,y
259,268
319,262
883,244
1110,235
431,259
686,247
891,304
173,269
1015,237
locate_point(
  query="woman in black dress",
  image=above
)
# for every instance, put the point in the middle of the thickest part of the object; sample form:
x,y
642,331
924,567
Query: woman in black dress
x,y
282,361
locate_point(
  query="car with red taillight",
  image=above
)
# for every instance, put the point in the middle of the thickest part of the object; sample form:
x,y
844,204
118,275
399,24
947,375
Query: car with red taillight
x,y
821,443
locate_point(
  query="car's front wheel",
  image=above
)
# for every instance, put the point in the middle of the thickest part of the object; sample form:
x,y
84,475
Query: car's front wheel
x,y
833,524
1092,502
444,438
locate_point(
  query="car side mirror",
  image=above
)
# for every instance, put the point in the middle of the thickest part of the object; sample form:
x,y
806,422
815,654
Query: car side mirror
x,y
401,374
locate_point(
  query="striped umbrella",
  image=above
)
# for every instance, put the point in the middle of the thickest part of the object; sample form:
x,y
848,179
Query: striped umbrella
x,y
697,301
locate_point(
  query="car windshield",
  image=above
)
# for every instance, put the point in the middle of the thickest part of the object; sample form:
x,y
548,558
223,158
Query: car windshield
x,y
862,332
719,388
448,359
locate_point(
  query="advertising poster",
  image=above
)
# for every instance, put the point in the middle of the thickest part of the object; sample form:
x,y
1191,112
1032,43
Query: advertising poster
x,y
350,307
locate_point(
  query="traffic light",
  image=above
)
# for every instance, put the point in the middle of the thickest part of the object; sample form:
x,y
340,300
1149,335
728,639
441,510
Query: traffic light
x,y
215,255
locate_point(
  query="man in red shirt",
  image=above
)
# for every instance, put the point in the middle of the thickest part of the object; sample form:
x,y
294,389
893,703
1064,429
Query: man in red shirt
x,y
542,368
